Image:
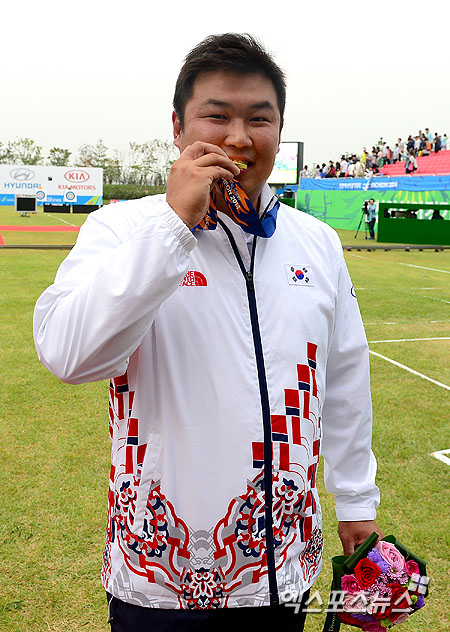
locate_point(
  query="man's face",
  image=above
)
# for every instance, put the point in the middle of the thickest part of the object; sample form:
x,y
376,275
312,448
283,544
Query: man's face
x,y
239,114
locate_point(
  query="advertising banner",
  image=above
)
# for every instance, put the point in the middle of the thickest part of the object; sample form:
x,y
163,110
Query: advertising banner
x,y
342,209
52,185
378,183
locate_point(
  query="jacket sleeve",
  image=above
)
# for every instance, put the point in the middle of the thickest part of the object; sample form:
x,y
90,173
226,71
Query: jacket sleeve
x,y
107,292
350,466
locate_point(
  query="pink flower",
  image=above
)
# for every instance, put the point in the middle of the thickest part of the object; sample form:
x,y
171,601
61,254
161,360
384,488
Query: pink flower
x,y
356,603
412,567
350,584
391,554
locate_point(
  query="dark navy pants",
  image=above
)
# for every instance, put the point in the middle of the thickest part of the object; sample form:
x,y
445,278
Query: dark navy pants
x,y
126,617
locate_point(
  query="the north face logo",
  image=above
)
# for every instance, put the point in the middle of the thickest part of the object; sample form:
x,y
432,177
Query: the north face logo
x,y
193,277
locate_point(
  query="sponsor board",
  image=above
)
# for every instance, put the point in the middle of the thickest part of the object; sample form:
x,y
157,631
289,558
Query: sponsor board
x,y
57,182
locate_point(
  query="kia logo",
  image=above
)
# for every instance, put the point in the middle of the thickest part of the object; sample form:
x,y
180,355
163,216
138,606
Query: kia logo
x,y
22,173
76,175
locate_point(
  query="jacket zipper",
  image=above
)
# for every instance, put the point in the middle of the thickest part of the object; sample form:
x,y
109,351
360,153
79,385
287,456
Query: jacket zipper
x,y
265,408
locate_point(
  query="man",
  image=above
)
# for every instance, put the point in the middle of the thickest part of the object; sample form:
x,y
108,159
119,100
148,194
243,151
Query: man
x,y
371,217
396,153
235,359
343,167
359,170
429,135
437,142
331,172
305,173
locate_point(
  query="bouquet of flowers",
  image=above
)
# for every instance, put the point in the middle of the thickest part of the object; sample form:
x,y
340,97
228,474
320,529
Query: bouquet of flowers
x,y
379,586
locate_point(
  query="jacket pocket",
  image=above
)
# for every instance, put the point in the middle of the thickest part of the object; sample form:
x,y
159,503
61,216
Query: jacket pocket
x,y
150,473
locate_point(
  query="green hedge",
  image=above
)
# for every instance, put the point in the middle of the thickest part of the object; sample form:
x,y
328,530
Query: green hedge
x,y
129,191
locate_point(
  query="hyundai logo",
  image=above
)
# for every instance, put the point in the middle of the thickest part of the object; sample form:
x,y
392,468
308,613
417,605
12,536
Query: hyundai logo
x,y
22,173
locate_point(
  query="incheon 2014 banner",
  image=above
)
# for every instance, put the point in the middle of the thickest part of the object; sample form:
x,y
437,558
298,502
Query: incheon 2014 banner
x,y
339,201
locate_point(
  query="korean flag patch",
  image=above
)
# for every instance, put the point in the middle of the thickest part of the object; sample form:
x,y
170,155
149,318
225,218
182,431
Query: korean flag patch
x,y
300,274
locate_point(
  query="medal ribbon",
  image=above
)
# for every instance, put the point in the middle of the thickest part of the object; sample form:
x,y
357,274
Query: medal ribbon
x,y
241,210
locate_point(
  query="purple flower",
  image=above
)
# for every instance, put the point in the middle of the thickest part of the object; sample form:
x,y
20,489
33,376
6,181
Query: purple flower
x,y
401,577
363,617
374,556
419,603
380,587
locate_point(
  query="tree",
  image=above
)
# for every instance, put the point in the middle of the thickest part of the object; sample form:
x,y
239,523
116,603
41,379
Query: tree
x,y
59,157
24,151
3,154
113,170
93,155
166,153
150,162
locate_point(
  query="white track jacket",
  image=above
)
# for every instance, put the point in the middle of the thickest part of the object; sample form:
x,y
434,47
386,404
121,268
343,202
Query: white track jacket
x,y
228,379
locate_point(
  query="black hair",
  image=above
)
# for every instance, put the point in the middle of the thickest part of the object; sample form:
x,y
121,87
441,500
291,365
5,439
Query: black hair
x,y
240,53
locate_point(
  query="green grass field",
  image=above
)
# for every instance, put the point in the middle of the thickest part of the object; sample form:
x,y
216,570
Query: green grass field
x,y
55,445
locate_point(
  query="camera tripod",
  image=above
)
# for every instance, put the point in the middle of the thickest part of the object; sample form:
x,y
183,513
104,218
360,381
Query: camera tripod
x,y
363,212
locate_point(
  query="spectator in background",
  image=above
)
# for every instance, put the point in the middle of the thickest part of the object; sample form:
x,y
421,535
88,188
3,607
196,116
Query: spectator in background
x,y
343,167
437,143
380,160
423,144
317,172
372,159
371,217
323,171
359,170
410,144
428,135
411,163
350,169
416,145
364,156
396,153
401,145
444,142
331,171
305,173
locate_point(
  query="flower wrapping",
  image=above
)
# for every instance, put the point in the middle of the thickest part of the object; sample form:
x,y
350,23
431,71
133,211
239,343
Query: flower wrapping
x,y
379,586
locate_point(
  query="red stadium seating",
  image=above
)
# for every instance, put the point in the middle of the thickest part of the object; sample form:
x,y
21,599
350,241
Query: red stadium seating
x,y
434,164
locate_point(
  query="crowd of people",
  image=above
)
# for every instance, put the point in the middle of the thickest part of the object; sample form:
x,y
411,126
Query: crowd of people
x,y
370,163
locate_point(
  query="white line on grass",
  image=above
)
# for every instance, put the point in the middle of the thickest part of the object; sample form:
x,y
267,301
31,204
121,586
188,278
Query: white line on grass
x,y
402,366
60,219
440,456
411,265
381,323
409,339
434,298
